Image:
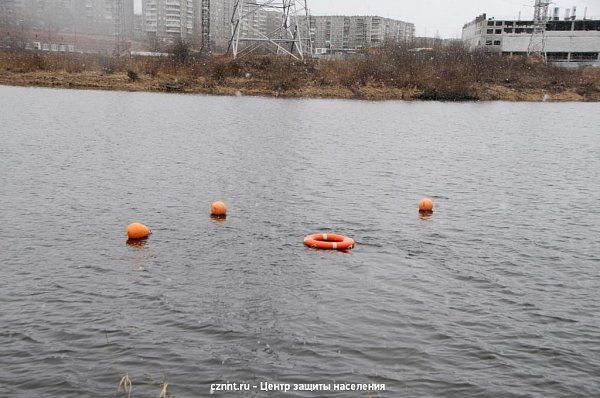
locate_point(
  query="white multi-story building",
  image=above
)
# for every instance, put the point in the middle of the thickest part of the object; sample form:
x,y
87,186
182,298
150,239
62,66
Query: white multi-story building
x,y
565,41
103,17
338,33
169,20
220,23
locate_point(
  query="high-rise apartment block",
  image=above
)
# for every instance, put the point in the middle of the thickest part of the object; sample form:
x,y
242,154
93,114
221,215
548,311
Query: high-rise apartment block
x,y
338,33
105,17
170,20
164,22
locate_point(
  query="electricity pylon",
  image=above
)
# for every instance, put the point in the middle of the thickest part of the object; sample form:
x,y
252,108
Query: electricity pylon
x,y
283,26
537,43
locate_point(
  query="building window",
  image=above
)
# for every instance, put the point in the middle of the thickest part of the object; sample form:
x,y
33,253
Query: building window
x,y
587,25
584,56
498,23
508,30
509,23
490,31
557,56
490,23
498,31
488,42
497,42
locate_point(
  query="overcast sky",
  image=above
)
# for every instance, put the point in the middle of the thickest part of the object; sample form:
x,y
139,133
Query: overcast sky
x,y
441,16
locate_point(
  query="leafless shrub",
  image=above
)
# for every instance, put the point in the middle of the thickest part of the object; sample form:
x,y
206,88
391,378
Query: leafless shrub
x,y
181,52
132,75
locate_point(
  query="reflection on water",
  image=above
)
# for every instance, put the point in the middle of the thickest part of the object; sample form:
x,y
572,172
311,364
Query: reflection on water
x,y
472,301
425,215
137,243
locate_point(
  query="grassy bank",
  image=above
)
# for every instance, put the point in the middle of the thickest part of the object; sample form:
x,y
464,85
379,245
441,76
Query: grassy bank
x,y
445,73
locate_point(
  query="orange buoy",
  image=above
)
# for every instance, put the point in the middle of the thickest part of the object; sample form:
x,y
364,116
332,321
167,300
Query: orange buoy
x,y
137,231
218,209
329,242
426,205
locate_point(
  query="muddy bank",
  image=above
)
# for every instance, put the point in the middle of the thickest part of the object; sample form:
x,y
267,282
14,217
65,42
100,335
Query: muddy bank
x,y
375,77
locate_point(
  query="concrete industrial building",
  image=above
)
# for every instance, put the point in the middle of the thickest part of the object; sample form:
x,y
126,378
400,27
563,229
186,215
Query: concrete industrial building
x,y
569,41
338,33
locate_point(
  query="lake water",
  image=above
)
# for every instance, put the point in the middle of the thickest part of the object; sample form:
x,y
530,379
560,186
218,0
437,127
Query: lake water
x,y
496,294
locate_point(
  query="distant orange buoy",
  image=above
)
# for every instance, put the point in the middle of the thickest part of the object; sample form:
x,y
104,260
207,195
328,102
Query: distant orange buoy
x,y
137,231
218,209
426,205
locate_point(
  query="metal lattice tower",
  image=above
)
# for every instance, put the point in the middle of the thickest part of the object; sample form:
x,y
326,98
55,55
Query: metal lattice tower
x,y
537,44
205,9
290,34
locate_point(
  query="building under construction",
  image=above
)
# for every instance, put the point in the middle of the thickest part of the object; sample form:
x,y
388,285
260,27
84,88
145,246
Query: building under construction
x,y
566,41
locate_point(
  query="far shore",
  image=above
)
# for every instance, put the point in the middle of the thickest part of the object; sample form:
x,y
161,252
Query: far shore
x,y
372,77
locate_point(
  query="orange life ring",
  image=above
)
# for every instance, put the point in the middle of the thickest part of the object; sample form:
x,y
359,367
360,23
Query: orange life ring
x,y
329,242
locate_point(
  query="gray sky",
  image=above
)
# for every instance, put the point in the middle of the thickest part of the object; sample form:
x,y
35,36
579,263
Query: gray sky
x,y
441,16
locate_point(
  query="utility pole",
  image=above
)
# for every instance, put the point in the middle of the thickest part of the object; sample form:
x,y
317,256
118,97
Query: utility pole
x,y
205,9
118,29
537,43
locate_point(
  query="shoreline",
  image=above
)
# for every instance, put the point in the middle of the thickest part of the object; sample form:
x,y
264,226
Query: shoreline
x,y
446,74
258,88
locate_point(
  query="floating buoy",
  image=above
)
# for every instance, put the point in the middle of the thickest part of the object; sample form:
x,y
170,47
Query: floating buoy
x,y
137,231
329,242
426,205
218,209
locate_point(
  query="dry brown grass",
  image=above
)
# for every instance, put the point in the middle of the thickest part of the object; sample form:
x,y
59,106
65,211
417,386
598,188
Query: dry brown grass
x,y
445,73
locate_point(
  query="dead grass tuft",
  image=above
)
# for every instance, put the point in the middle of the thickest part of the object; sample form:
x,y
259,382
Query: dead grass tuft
x,y
126,386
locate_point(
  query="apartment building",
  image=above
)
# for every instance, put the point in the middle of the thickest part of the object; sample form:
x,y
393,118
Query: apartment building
x,y
104,17
339,33
169,20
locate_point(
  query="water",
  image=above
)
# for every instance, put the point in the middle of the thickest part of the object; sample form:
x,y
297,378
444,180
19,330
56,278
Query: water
x,y
496,294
